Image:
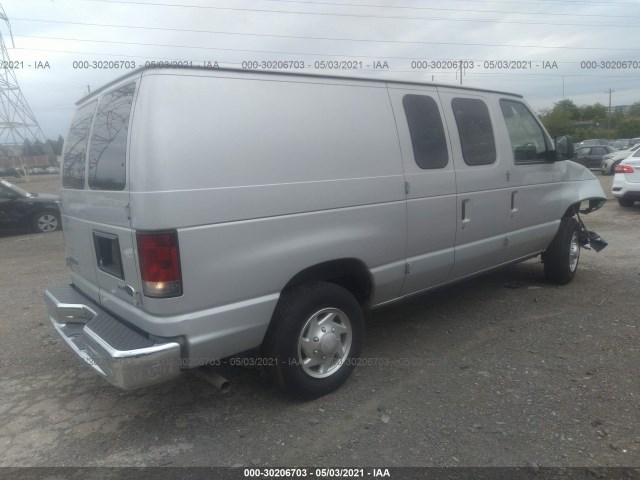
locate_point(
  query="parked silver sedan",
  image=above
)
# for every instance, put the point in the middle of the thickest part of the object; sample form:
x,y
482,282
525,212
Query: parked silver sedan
x,y
611,160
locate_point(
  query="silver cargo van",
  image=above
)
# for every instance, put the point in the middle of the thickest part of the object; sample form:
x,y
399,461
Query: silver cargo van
x,y
209,213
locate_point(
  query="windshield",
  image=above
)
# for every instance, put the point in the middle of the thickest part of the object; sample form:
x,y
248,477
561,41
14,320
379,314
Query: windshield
x,y
15,189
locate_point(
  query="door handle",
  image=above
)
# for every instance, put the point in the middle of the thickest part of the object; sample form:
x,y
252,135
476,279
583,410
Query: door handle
x,y
513,202
465,211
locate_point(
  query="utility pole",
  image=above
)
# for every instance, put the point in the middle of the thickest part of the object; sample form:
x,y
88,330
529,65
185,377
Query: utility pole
x,y
18,124
609,116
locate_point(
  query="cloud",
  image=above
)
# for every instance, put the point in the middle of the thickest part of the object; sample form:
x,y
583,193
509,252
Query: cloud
x,y
507,33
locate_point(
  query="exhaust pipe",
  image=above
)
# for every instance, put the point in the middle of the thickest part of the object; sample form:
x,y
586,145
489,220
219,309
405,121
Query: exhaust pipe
x,y
214,378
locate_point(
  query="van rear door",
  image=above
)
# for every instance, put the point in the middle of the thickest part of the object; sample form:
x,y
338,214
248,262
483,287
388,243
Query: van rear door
x,y
95,205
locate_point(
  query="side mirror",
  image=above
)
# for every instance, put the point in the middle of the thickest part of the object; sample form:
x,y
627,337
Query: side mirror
x,y
564,148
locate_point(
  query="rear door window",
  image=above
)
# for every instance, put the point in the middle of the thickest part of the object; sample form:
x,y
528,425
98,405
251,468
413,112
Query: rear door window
x,y
73,165
475,131
108,148
426,130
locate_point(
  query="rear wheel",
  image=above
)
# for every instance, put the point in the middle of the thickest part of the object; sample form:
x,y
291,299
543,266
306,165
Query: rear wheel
x,y
626,202
563,254
315,339
613,168
45,222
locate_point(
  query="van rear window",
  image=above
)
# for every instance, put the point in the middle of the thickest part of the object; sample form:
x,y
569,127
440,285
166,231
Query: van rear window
x,y
108,148
73,173
427,132
475,131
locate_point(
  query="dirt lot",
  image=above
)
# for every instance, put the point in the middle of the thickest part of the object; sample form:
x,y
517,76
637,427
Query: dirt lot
x,y
504,370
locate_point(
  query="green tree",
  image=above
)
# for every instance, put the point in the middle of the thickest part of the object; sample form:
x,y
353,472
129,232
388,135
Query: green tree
x,y
557,121
596,113
569,108
628,129
634,110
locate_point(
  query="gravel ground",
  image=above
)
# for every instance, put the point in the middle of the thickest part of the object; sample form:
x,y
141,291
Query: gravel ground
x,y
503,370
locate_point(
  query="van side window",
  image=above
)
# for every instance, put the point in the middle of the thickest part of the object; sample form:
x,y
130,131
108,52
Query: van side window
x,y
527,139
75,152
426,130
475,131
108,150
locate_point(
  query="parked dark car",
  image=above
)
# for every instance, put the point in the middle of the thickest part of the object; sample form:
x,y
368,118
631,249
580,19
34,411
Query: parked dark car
x,y
591,157
14,172
592,142
21,209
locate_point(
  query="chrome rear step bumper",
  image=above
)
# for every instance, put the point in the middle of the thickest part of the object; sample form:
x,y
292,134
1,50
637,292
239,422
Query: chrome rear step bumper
x,y
123,356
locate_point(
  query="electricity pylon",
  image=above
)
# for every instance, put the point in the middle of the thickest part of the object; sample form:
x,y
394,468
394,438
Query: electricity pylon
x,y
18,124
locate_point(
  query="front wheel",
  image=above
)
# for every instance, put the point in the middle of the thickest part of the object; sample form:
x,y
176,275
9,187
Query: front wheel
x,y
562,256
45,222
315,339
626,202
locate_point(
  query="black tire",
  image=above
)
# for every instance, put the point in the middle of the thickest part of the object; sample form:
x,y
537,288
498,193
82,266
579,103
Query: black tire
x,y
626,202
46,222
613,168
302,307
560,265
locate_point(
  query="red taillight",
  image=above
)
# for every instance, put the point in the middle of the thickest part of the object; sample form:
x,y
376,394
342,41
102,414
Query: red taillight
x,y
624,169
160,264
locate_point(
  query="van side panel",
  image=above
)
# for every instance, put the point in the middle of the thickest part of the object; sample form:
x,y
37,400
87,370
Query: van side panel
x,y
482,191
263,179
534,207
431,201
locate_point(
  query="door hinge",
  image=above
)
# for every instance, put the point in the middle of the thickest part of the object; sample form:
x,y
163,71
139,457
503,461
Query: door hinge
x,y
406,188
506,241
508,175
127,209
407,268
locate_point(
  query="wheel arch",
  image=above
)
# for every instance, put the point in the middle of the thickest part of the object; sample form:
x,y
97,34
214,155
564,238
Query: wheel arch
x,y
572,210
591,204
350,273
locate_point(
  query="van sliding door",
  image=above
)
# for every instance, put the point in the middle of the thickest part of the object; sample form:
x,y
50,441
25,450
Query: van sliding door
x,y
430,178
481,182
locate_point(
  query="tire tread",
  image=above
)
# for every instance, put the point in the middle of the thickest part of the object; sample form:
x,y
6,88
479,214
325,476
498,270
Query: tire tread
x,y
556,256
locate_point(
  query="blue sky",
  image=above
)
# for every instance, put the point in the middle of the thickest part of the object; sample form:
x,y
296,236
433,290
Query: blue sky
x,y
528,35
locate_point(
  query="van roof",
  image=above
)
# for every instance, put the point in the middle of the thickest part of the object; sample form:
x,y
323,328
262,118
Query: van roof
x,y
142,70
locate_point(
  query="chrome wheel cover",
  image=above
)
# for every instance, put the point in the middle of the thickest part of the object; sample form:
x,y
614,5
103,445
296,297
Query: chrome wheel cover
x,y
574,252
324,342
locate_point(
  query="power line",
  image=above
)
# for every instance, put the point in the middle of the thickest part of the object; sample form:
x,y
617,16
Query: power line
x,y
465,10
462,44
354,15
267,35
414,71
540,2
